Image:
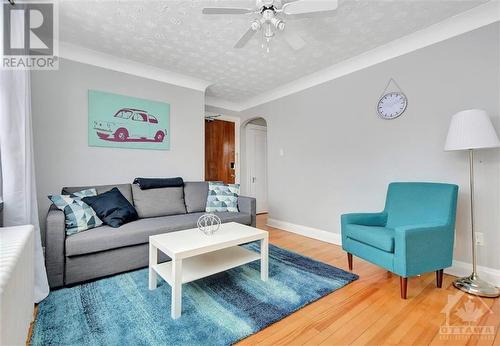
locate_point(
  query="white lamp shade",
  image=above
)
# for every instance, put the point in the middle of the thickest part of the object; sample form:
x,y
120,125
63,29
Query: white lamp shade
x,y
471,129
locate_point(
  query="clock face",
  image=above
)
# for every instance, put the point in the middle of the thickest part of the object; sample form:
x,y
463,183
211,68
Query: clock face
x,y
392,105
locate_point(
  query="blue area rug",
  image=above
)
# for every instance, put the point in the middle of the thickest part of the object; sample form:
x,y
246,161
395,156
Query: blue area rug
x,y
218,310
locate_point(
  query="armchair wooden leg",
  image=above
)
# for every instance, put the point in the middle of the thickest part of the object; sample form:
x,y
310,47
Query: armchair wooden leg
x,y
439,278
403,283
349,260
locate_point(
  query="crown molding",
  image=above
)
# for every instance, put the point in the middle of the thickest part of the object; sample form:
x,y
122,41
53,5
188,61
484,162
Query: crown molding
x,y
88,56
472,19
220,103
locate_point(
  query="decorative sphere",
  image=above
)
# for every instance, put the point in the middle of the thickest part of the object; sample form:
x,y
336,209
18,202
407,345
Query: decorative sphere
x,y
209,223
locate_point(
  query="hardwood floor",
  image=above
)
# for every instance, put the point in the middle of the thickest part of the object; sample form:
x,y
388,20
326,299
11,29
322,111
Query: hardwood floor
x,y
370,311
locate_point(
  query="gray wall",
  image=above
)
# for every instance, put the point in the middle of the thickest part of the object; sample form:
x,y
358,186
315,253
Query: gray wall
x,y
62,154
339,156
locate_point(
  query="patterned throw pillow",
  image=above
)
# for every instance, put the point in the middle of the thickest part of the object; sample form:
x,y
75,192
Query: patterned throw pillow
x,y
79,215
222,197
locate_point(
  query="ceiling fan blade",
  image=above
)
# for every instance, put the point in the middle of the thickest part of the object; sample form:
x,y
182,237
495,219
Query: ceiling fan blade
x,y
318,14
305,8
245,38
226,10
294,40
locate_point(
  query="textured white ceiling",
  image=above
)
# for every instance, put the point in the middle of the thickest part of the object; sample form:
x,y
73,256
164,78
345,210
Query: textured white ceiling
x,y
175,36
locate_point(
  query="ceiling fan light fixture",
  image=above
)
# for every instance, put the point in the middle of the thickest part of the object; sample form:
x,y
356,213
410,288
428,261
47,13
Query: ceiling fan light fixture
x,y
278,23
268,32
256,25
272,15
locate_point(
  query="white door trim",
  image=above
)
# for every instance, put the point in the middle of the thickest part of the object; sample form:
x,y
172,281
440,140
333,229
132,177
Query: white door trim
x,y
237,124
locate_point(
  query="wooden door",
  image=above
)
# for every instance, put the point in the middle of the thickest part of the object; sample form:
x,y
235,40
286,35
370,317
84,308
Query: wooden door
x,y
219,151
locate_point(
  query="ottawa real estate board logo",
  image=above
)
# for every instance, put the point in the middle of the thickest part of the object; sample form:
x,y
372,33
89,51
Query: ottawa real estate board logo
x,y
468,318
30,35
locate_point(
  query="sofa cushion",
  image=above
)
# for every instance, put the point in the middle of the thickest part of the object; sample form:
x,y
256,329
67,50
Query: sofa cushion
x,y
158,202
79,216
195,196
379,237
112,208
222,197
158,183
125,189
138,232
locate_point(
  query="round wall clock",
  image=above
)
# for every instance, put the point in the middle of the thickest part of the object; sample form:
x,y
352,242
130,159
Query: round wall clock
x,y
392,105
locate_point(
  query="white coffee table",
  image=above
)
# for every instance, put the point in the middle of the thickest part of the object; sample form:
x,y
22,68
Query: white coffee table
x,y
195,255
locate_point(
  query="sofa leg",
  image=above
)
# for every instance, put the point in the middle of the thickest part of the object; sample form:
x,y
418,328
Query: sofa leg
x,y
403,283
349,260
439,278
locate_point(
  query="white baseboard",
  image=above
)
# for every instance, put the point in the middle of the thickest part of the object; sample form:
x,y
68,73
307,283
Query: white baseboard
x,y
458,268
461,269
318,234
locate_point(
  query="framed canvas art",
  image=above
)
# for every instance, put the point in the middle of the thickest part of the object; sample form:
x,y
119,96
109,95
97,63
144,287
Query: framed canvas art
x,y
127,122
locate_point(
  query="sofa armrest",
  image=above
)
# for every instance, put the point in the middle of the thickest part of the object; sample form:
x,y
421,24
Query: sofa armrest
x,y
55,237
247,205
422,248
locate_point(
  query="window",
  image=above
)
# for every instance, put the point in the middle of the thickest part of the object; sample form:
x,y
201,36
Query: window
x,y
140,117
153,120
124,114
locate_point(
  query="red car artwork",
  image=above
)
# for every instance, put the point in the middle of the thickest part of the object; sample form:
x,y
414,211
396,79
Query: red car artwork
x,y
130,125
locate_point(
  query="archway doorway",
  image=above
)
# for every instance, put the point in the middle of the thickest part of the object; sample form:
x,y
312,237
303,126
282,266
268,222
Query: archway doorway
x,y
255,159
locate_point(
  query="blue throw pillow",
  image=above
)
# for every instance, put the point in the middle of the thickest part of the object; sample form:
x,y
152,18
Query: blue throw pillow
x,y
222,197
112,208
78,215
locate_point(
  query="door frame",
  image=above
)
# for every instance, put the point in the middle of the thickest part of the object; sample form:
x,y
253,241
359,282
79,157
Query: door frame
x,y
248,170
237,124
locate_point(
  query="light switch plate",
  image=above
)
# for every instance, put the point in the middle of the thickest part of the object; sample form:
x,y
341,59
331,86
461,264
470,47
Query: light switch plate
x,y
480,238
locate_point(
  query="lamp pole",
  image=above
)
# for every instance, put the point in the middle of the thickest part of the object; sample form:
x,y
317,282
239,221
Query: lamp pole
x,y
473,284
471,188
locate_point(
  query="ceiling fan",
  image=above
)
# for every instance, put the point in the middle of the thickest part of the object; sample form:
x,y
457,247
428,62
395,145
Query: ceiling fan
x,y
272,16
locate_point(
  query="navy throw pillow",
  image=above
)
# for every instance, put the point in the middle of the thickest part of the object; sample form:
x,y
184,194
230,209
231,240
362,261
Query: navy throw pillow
x,y
112,208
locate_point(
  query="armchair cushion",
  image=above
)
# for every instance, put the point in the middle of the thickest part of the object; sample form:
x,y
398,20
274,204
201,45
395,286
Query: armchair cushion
x,y
379,237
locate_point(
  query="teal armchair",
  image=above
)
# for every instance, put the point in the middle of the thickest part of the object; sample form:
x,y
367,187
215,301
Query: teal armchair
x,y
413,235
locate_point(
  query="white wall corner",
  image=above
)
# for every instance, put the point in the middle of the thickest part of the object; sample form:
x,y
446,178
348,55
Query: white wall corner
x,y
91,57
472,19
314,233
461,269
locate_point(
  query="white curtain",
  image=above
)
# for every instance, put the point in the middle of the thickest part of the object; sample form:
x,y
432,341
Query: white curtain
x,y
17,164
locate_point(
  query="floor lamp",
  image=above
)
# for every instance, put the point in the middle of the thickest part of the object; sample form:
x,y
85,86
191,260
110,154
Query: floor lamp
x,y
471,130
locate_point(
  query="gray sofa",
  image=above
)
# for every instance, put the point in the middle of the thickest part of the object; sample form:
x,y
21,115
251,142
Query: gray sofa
x,y
104,250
